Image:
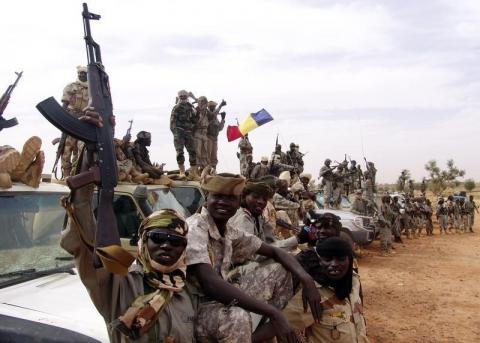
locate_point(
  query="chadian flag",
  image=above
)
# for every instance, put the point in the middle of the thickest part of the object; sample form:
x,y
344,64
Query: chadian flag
x,y
253,121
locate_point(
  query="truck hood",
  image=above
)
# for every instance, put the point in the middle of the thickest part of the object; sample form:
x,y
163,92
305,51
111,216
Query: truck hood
x,y
58,300
344,215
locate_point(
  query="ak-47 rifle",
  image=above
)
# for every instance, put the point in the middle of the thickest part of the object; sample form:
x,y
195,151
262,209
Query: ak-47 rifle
x,y
270,170
129,130
287,226
107,249
4,123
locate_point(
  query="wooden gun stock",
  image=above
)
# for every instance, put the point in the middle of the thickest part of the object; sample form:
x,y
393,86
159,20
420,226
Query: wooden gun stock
x,y
83,179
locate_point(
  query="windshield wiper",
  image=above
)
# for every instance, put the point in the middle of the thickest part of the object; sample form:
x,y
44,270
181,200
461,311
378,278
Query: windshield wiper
x,y
30,274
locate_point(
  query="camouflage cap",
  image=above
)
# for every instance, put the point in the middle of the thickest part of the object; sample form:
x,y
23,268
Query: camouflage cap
x,y
223,184
264,159
144,135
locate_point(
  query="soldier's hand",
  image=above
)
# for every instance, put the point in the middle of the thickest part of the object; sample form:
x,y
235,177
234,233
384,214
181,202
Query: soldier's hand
x,y
127,138
311,297
223,114
223,103
283,330
90,115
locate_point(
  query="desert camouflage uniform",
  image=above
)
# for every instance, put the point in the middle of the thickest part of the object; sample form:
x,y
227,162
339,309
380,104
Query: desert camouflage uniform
x,y
470,208
385,216
201,140
76,95
457,217
442,215
214,127
243,220
259,171
450,212
410,226
291,207
245,155
338,187
327,179
267,281
182,124
342,320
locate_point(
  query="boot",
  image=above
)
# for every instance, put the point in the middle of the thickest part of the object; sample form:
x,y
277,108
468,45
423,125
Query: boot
x,y
181,168
193,175
5,180
9,159
33,175
30,150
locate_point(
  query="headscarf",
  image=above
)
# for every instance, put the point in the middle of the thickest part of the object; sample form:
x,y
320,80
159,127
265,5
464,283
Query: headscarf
x,y
164,280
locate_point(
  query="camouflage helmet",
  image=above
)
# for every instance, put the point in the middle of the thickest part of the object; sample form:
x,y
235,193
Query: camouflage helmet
x,y
328,160
182,92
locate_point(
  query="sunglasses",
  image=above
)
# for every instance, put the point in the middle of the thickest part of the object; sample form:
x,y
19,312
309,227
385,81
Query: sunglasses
x,y
158,237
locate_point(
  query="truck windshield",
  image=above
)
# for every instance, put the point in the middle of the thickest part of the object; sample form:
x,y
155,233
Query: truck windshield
x,y
163,198
30,224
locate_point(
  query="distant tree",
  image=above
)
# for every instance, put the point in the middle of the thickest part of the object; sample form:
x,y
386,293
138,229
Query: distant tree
x,y
469,185
440,180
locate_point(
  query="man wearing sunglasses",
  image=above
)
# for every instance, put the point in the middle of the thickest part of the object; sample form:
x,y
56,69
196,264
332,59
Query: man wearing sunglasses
x,y
225,296
149,303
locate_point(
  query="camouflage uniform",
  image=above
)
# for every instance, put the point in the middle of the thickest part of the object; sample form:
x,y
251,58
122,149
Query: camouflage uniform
x,y
457,216
259,170
470,207
201,140
442,215
214,127
268,281
291,207
385,217
243,220
327,179
338,187
245,155
450,212
75,95
182,124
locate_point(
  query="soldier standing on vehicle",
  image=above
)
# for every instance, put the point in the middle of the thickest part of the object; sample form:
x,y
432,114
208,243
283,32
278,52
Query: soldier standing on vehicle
x,y
353,174
338,181
246,150
183,121
214,127
201,141
74,100
326,173
260,170
279,161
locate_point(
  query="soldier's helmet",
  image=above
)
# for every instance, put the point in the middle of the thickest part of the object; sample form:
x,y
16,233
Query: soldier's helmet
x,y
182,93
353,162
202,99
328,161
212,104
293,145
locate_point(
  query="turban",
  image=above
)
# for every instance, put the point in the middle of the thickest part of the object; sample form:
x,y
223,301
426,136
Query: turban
x,y
228,185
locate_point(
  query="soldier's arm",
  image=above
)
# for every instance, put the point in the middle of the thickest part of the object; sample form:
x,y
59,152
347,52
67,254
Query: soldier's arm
x,y
173,119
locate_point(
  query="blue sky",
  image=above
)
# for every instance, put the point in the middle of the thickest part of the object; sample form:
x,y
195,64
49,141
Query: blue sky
x,y
396,81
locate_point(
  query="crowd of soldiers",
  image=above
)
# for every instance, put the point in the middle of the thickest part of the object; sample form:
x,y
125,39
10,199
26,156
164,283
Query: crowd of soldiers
x,y
194,128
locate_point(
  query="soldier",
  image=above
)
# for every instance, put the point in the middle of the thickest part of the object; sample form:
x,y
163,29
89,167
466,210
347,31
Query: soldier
x,y
471,207
423,187
201,140
450,211
294,158
372,172
261,169
338,180
142,155
224,287
279,161
408,219
326,173
457,216
369,197
284,202
359,206
214,127
182,124
398,223
385,217
411,189
442,215
74,100
353,172
428,216
360,176
246,150
401,180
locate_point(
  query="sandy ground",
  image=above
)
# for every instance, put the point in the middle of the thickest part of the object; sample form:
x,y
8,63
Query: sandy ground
x,y
429,291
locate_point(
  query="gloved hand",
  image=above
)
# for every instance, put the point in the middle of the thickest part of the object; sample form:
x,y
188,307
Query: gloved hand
x,y
223,114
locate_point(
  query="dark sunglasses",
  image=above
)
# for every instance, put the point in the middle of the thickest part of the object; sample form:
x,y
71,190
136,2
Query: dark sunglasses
x,y
158,237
